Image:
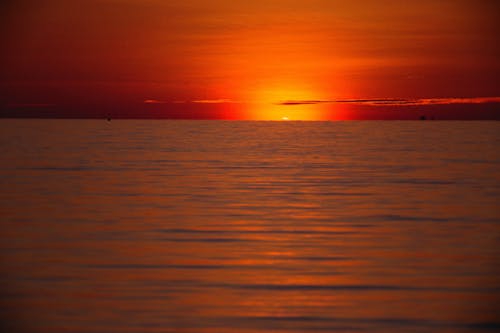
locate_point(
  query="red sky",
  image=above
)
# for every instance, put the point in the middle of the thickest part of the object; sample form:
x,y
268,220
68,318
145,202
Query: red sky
x,y
231,59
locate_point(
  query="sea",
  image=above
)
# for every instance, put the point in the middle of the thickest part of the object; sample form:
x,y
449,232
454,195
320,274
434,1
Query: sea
x,y
249,226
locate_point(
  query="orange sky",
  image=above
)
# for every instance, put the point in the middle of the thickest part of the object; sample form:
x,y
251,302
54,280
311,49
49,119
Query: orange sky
x,y
242,59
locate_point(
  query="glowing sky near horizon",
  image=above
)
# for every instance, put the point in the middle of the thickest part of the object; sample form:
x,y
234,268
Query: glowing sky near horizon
x,y
242,59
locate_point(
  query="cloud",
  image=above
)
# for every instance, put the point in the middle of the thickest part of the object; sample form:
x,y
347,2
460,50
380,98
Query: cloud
x,y
379,101
213,101
358,101
304,102
471,100
398,101
153,101
197,101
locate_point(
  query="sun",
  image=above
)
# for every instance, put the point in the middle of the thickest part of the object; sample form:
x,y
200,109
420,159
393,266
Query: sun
x,y
268,102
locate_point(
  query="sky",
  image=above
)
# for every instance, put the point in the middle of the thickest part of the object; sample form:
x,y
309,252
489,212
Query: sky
x,y
265,60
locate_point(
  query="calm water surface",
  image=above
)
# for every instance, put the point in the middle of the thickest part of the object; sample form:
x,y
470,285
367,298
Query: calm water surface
x,y
212,226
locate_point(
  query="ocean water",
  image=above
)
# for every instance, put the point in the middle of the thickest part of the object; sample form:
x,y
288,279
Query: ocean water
x,y
220,226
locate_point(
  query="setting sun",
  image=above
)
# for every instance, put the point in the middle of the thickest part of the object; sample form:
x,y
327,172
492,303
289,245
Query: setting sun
x,y
233,166
239,60
270,101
